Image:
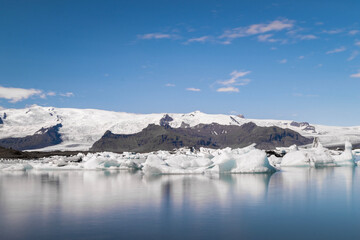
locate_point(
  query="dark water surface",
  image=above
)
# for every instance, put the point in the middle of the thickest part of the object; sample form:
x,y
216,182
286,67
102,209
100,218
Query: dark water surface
x,y
296,203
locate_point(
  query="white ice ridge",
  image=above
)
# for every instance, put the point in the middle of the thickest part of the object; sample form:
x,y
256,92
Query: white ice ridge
x,y
318,156
82,127
183,161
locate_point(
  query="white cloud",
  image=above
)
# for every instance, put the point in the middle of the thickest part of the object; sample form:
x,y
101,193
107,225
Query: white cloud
x,y
228,89
235,80
267,38
169,85
68,94
193,89
301,57
18,94
355,75
235,75
334,31
357,43
353,55
354,32
199,39
307,37
283,61
51,94
155,36
336,50
262,28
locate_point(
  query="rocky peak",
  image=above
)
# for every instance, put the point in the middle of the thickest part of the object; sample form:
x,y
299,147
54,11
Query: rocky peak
x,y
165,120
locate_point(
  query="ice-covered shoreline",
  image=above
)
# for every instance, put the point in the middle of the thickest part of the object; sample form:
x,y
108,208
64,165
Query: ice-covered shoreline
x,y
185,161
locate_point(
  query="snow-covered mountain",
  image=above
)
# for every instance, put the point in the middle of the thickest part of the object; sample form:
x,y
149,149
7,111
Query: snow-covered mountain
x,y
80,128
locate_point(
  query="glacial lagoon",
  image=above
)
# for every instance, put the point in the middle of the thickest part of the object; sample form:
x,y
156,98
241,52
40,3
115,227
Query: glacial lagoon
x,y
294,203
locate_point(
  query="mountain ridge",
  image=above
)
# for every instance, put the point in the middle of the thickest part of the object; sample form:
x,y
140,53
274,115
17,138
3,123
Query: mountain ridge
x,y
81,128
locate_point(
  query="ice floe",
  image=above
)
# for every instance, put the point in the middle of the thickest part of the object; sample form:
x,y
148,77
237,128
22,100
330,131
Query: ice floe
x,y
187,161
318,156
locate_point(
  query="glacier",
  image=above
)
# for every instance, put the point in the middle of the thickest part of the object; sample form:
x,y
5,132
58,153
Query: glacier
x,y
81,128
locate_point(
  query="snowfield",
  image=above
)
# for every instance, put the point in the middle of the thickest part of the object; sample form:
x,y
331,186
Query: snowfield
x,y
184,161
82,127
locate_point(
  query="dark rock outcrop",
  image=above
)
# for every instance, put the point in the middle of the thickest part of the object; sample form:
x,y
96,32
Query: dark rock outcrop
x,y
1,121
155,137
43,138
8,153
164,121
304,125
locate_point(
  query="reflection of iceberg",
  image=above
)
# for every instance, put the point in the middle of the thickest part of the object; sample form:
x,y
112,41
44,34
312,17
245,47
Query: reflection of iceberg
x,y
318,156
327,184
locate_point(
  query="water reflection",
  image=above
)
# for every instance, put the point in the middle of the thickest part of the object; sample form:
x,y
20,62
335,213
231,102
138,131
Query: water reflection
x,y
126,199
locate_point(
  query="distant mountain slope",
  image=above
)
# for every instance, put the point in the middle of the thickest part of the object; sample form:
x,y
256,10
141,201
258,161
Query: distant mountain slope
x,y
155,137
81,128
43,138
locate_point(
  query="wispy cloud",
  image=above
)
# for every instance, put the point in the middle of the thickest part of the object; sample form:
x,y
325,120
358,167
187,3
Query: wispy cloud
x,y
337,50
234,80
156,36
228,89
357,43
18,94
267,38
68,94
169,85
235,75
355,75
353,55
301,57
333,31
354,32
199,39
255,29
307,37
193,89
283,61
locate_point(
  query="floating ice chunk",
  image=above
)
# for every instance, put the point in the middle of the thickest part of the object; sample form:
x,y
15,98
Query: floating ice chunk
x,y
246,160
224,162
274,161
174,165
254,161
347,158
319,156
17,167
295,159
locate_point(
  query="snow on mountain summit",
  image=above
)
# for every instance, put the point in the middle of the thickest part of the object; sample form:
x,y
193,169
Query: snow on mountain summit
x,y
82,127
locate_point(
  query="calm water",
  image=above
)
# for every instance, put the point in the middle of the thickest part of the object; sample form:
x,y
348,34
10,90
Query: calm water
x,y
292,204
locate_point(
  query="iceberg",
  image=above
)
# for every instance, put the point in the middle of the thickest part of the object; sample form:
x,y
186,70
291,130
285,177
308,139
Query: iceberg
x,y
243,160
347,158
318,156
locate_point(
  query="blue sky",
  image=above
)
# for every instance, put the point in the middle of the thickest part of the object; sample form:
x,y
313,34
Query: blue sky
x,y
295,60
